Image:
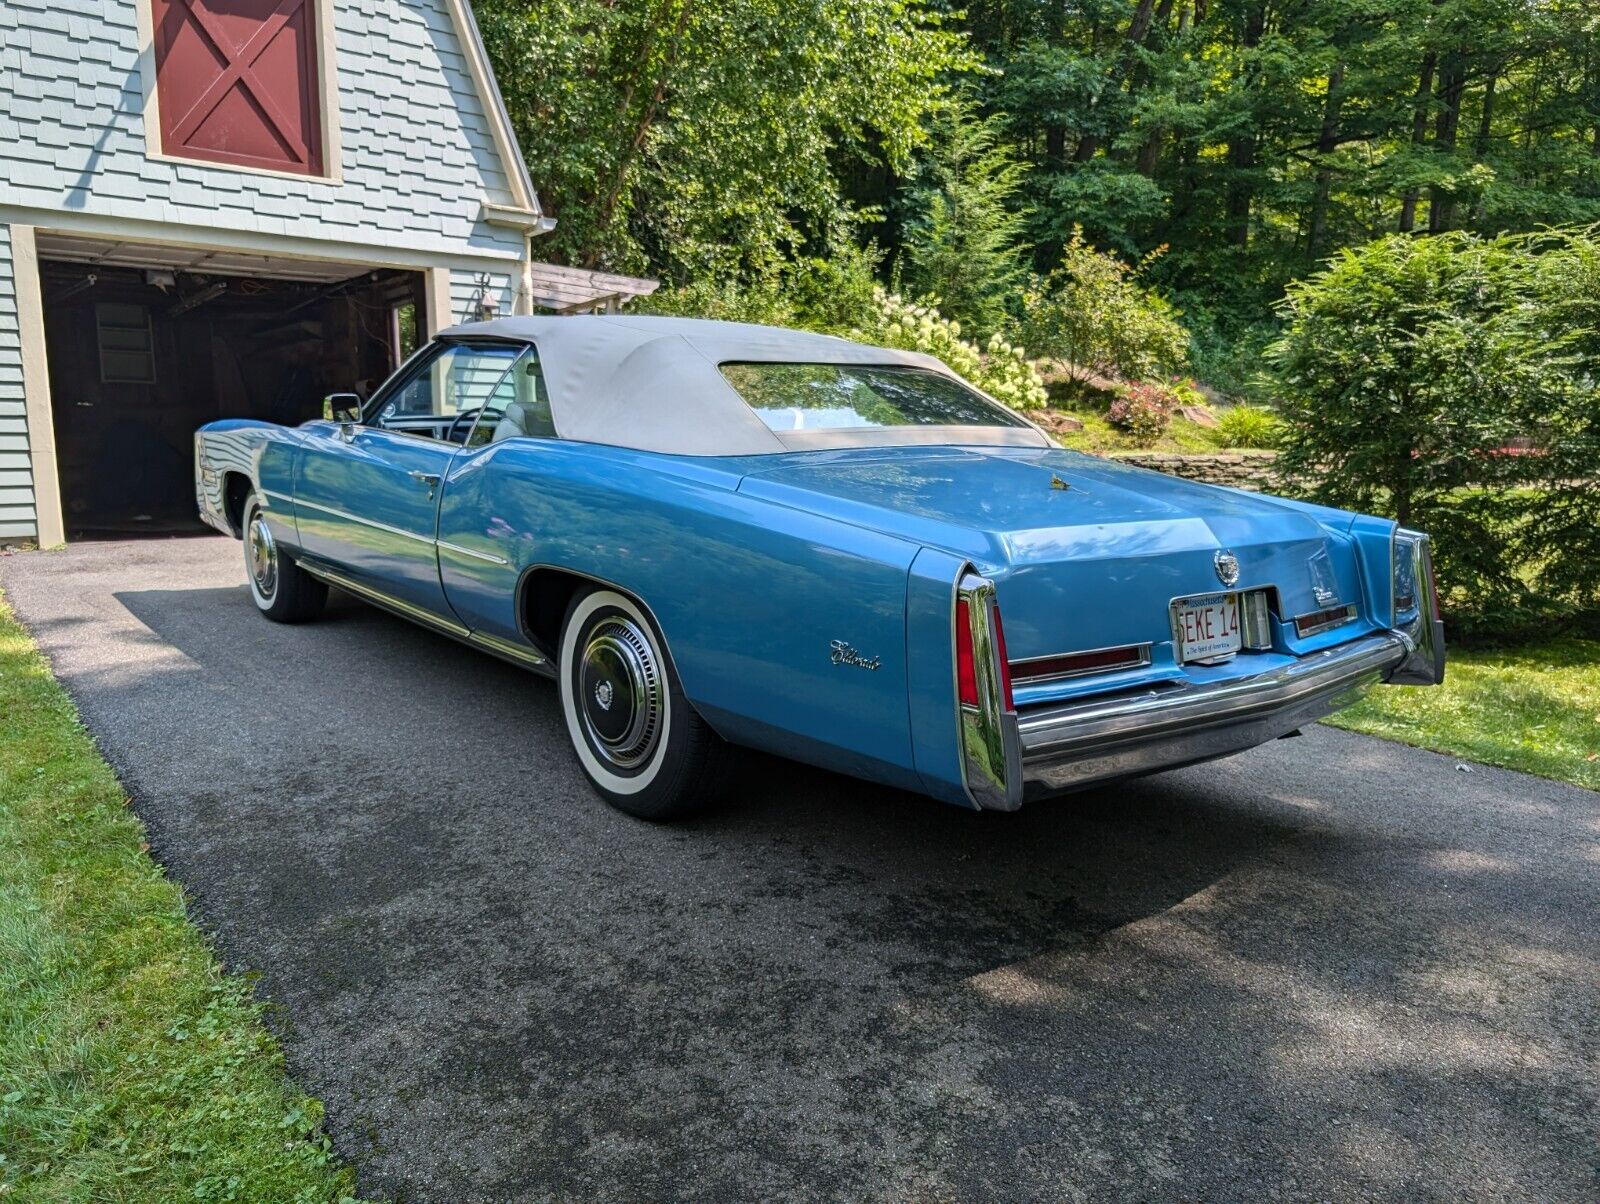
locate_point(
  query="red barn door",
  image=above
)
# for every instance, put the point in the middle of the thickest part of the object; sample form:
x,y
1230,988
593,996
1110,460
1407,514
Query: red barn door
x,y
236,81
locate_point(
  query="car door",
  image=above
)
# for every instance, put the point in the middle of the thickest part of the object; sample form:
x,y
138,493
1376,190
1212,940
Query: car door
x,y
367,494
476,549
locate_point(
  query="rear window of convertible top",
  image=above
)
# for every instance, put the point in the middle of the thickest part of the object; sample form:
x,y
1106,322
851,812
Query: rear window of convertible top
x,y
823,397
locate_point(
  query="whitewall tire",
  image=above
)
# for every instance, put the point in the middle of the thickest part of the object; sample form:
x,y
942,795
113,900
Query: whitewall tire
x,y
282,590
639,741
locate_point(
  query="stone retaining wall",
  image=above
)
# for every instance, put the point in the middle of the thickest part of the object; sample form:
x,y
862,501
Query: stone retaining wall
x,y
1243,469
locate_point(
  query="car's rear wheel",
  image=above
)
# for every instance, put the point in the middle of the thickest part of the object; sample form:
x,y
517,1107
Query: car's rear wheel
x,y
283,591
640,742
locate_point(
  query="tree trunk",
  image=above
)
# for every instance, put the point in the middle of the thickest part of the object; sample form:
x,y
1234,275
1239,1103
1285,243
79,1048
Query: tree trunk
x,y
1242,149
1327,143
1419,136
1480,147
1452,78
1138,27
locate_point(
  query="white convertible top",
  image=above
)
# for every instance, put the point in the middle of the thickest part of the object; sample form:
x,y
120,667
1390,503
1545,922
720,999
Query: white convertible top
x,y
653,383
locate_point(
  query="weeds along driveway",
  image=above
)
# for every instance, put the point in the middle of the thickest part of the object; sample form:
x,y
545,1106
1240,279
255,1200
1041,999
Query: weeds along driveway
x,y
1329,968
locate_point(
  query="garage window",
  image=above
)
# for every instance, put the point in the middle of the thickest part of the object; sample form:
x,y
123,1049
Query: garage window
x,y
127,349
237,82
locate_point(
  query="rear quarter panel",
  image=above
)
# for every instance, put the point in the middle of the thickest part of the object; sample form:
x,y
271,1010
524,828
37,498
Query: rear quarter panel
x,y
749,596
261,452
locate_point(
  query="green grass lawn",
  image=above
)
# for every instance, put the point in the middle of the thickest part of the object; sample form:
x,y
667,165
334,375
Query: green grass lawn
x,y
1536,709
132,1068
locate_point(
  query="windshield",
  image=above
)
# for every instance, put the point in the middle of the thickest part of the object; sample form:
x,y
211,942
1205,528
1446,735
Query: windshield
x,y
823,397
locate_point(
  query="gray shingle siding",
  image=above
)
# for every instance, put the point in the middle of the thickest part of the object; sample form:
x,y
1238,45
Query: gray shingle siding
x,y
16,474
465,291
417,161
417,158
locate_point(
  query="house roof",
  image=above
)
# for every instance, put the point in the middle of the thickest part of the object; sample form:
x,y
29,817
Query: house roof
x,y
654,383
494,107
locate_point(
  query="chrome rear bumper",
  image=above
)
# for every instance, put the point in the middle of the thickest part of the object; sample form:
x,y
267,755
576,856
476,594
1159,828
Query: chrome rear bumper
x,y
1072,745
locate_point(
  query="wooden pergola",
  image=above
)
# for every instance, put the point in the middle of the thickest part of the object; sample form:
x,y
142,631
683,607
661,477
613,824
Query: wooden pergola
x,y
564,290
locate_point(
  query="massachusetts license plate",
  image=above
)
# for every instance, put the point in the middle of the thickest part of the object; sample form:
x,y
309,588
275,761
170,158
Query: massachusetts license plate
x,y
1207,628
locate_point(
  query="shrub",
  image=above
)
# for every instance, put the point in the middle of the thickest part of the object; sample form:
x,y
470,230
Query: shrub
x,y
1562,536
1409,367
999,368
1143,409
1249,426
760,301
837,294
831,295
1092,313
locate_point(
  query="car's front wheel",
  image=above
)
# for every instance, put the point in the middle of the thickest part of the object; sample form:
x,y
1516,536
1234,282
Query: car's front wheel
x,y
640,742
283,591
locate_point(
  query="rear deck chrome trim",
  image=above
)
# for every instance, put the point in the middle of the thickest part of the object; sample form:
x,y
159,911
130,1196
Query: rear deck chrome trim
x,y
1139,658
1070,745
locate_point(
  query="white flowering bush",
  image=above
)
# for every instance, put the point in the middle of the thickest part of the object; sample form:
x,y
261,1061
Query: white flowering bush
x,y
998,367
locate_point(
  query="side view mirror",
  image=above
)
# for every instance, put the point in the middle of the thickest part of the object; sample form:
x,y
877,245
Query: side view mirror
x,y
343,408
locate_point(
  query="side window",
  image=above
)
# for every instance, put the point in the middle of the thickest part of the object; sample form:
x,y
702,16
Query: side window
x,y
443,397
519,406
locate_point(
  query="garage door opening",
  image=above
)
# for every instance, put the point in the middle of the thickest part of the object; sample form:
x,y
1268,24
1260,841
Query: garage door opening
x,y
145,344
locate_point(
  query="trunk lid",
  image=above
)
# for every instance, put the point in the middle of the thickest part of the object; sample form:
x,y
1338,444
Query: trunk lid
x,y
1086,552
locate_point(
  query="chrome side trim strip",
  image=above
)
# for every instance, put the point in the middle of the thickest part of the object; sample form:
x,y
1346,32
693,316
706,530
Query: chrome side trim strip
x,y
365,522
526,658
387,601
516,652
473,552
279,497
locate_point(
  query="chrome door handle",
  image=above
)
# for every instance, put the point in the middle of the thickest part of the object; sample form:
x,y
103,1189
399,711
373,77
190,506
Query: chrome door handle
x,y
430,479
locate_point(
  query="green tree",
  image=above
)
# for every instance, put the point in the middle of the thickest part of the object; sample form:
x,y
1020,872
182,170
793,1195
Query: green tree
x,y
698,139
962,248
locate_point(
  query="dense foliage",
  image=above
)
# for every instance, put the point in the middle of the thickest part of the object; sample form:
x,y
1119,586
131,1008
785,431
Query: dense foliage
x,y
700,140
1448,381
1253,137
1134,190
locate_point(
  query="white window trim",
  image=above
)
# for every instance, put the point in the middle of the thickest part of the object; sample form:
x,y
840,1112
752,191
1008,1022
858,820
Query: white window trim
x,y
327,91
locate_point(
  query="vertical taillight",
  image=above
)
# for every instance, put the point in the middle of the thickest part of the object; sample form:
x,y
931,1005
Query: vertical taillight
x,y
966,666
1005,661
987,734
969,647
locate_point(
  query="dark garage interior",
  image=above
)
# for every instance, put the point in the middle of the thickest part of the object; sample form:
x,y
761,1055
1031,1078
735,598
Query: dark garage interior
x,y
143,352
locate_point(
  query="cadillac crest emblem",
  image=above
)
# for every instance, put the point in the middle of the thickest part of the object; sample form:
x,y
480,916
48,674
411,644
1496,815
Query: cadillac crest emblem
x,y
1227,565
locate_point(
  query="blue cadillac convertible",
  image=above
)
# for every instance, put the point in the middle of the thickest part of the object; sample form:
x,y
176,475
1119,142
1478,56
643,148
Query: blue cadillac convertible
x,y
713,534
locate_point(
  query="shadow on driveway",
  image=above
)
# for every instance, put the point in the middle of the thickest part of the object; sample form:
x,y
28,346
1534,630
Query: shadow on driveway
x,y
1329,968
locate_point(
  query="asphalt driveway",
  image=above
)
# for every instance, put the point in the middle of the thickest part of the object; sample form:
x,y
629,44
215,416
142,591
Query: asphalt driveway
x,y
1331,968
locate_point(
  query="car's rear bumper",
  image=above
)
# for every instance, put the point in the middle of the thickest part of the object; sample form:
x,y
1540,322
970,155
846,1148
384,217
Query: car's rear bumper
x,y
1071,745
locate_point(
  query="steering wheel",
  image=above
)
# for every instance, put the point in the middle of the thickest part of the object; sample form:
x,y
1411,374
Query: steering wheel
x,y
463,421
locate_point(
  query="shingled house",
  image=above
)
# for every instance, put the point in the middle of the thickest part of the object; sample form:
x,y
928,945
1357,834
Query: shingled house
x,y
230,208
